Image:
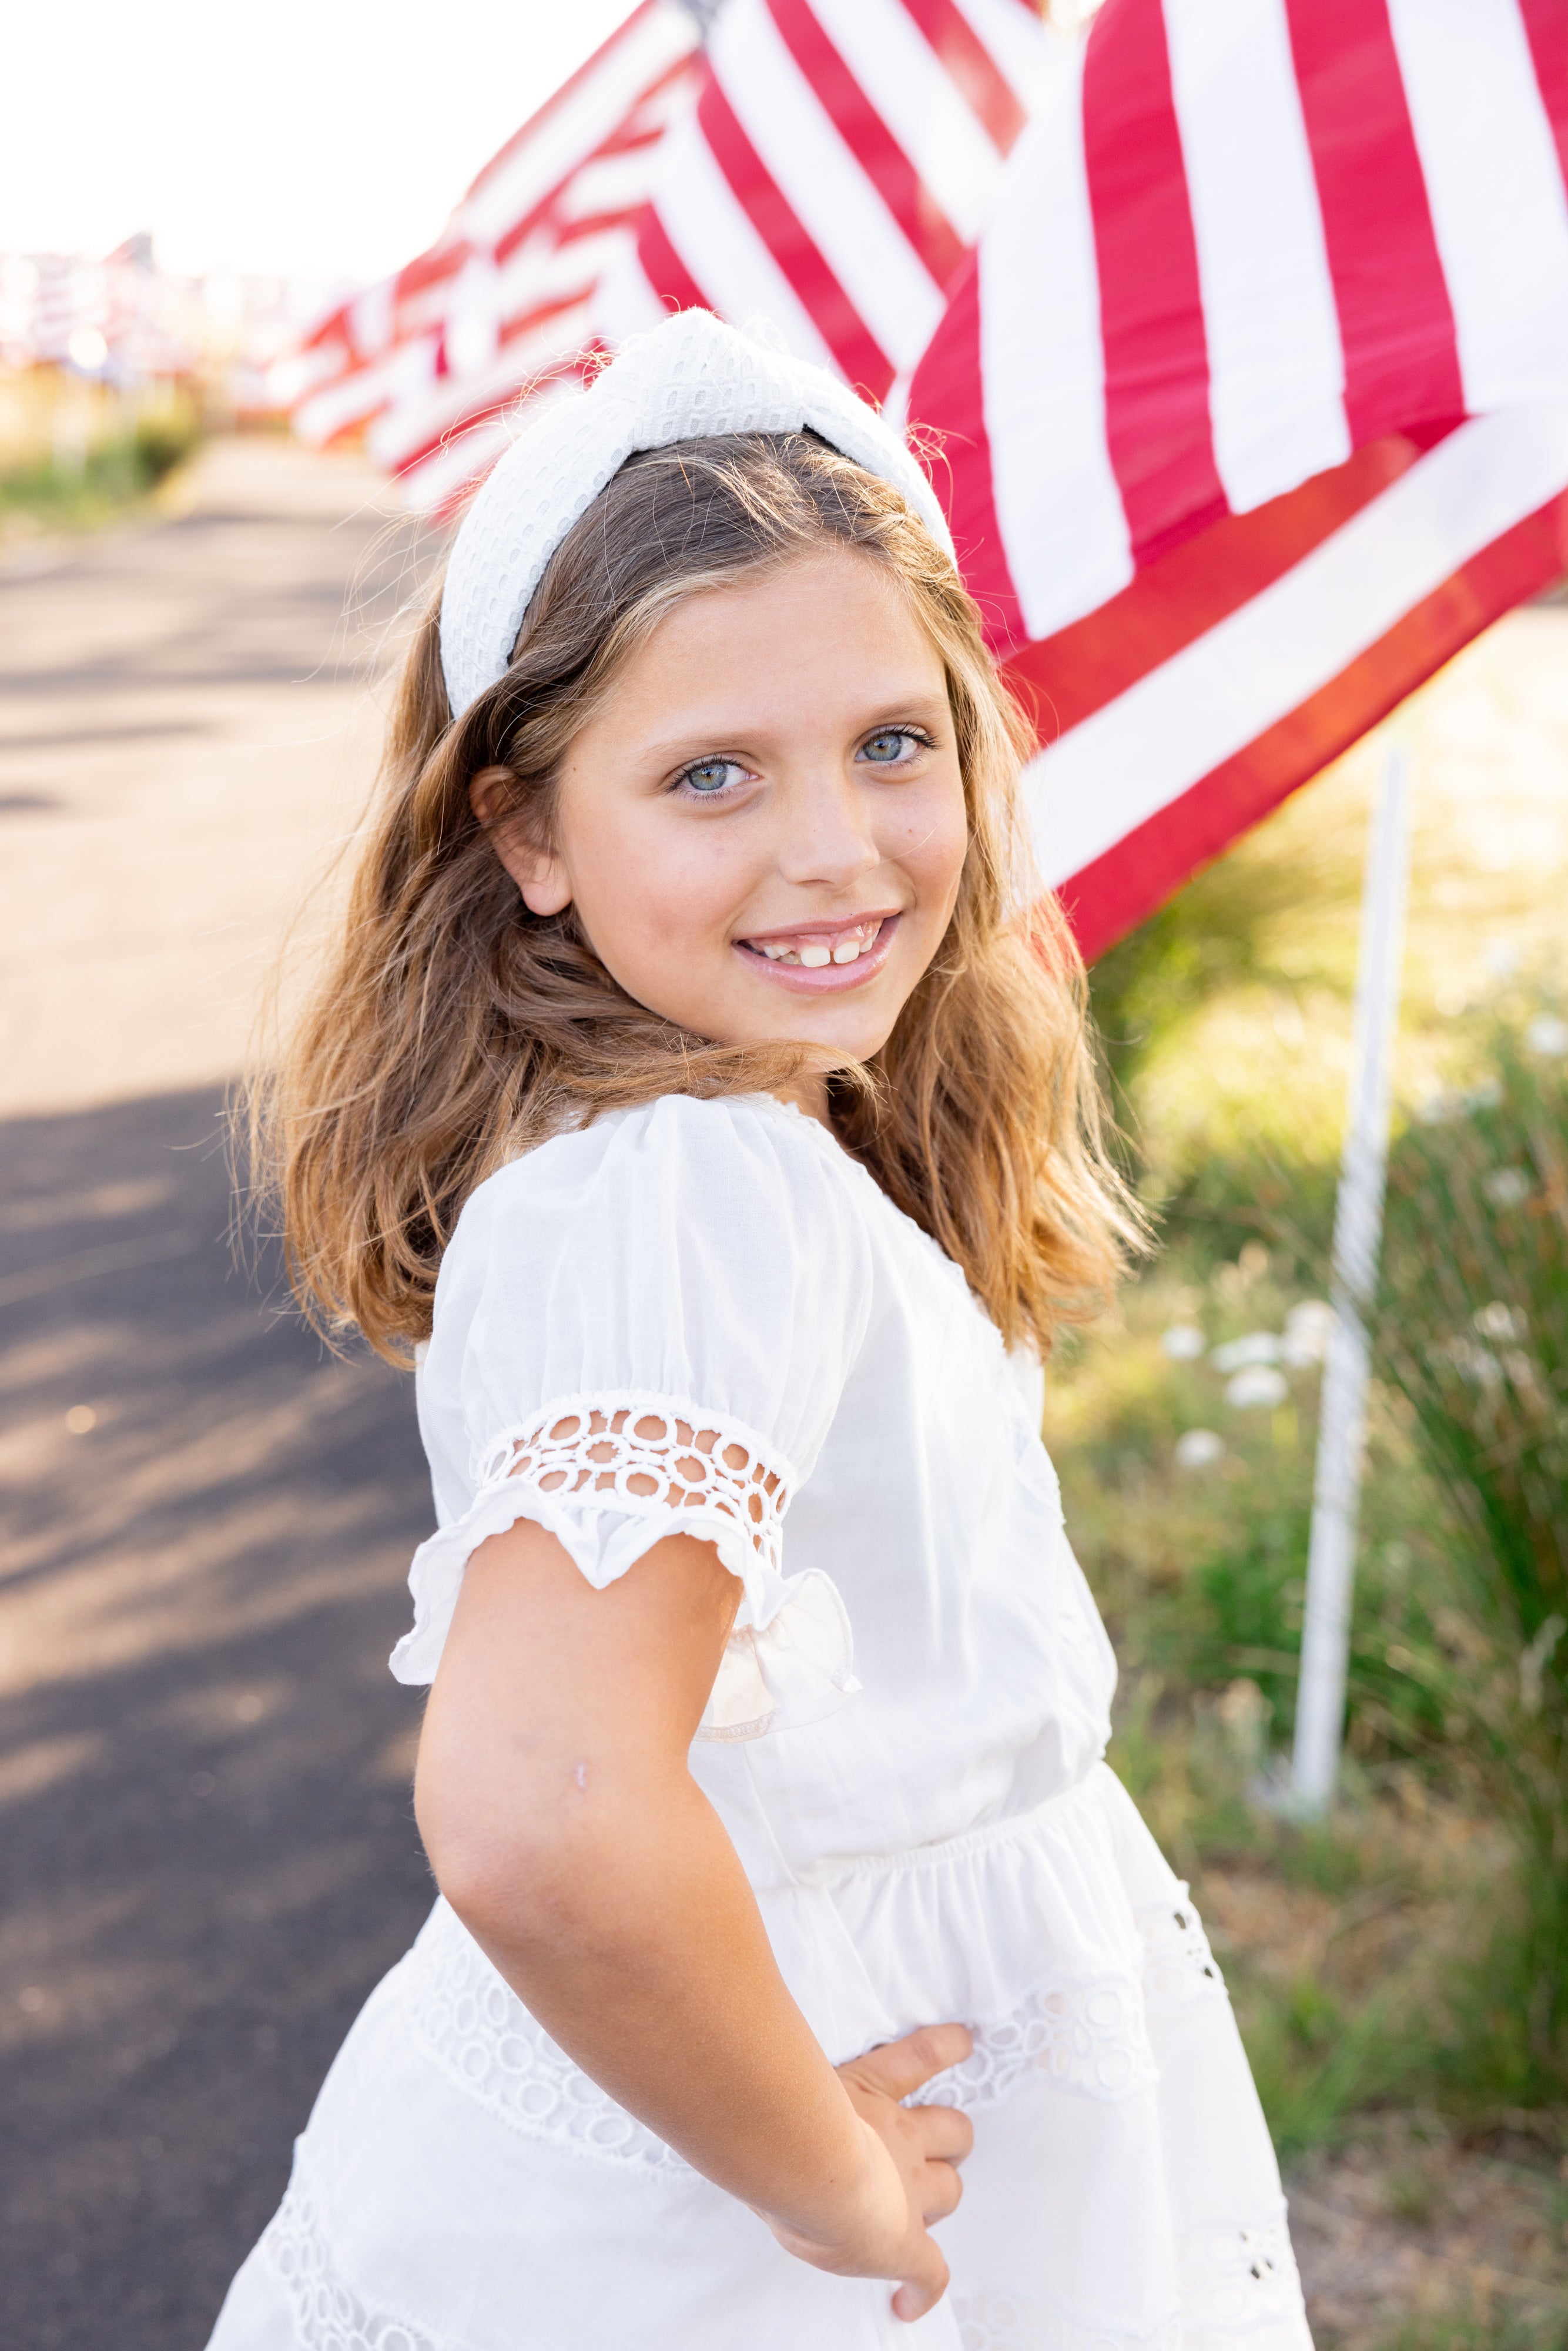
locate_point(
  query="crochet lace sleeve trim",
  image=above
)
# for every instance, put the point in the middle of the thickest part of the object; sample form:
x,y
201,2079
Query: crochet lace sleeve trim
x,y
611,1473
645,1454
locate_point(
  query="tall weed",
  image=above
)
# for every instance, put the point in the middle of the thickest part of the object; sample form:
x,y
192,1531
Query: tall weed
x,y
1474,1332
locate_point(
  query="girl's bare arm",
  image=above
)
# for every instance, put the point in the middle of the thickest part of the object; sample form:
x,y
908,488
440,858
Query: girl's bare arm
x,y
566,1830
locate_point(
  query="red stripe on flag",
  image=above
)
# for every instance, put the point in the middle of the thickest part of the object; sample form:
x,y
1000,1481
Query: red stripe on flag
x,y
664,270
624,139
431,269
572,233
1546,29
874,146
1118,890
1151,304
947,383
976,72
458,428
770,213
1174,601
1395,320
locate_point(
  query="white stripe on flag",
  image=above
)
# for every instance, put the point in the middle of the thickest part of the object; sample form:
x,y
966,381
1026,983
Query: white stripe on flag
x,y
395,437
373,320
723,251
921,104
1497,197
449,469
1135,756
1276,365
1043,371
1027,50
347,399
553,273
828,189
609,183
507,190
624,302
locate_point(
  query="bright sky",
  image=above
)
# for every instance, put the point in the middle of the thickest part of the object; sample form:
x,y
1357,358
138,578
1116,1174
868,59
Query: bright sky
x,y
311,137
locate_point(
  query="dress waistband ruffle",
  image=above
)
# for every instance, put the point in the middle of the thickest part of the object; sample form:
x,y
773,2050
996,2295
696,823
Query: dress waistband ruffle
x,y
1062,1900
946,1851
1085,1935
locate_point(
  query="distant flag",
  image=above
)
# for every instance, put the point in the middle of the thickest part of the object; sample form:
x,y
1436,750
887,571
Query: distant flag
x,y
427,362
1255,402
826,164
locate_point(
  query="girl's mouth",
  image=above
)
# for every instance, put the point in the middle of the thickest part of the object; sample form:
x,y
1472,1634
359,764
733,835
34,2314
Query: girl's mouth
x,y
824,956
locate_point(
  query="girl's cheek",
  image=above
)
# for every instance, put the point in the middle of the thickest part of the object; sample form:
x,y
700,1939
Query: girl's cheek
x,y
937,838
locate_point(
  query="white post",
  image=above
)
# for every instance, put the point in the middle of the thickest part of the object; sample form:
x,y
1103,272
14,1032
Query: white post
x,y
1357,1236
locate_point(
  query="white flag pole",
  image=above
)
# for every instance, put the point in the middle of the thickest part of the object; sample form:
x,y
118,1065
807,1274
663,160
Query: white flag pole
x,y
1357,1237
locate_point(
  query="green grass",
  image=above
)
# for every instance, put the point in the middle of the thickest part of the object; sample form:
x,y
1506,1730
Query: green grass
x,y
1413,1950
114,474
1474,1331
1483,2330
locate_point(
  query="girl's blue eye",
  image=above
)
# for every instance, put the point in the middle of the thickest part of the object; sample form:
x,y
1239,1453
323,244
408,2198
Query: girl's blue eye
x,y
892,744
709,776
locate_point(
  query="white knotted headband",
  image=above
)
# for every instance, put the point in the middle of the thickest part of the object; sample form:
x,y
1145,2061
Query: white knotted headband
x,y
690,379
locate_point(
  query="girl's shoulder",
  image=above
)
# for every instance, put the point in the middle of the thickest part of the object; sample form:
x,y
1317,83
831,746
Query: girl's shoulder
x,y
745,1167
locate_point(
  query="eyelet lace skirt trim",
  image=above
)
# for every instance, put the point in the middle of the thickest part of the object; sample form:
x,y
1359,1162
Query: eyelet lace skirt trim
x,y
1235,2281
468,2020
996,2319
1178,1965
1238,2283
328,2315
1091,2037
1234,2278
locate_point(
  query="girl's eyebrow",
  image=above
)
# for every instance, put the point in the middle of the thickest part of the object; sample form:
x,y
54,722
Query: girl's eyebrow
x,y
712,733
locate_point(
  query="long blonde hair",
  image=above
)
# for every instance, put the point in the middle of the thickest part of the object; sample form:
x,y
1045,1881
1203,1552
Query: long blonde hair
x,y
450,1028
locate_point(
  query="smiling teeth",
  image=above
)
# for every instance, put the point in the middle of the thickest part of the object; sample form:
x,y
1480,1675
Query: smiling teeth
x,y
816,954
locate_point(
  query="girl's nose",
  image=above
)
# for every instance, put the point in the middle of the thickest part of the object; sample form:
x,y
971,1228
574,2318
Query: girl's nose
x,y
827,835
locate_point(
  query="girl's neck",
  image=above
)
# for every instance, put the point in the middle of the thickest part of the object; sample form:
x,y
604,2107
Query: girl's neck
x,y
808,1093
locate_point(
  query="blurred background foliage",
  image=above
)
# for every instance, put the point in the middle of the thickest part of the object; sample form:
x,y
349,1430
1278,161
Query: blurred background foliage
x,y
73,453
1401,1969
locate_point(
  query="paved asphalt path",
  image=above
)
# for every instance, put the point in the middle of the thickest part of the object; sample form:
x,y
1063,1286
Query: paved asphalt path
x,y
207,1854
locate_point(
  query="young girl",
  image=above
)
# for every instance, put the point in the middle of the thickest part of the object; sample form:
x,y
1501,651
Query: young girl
x,y
701,1092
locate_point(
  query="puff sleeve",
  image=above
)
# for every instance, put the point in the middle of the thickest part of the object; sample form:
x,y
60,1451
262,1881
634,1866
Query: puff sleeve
x,y
641,1328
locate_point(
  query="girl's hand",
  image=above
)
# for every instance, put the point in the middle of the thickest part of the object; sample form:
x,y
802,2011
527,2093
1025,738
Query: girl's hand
x,y
911,2178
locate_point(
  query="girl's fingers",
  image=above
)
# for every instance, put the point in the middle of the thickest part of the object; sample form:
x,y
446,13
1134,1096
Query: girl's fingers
x,y
899,2067
924,2289
944,2134
940,2190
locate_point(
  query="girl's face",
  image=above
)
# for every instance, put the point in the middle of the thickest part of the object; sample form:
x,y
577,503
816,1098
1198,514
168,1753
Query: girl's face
x,y
763,830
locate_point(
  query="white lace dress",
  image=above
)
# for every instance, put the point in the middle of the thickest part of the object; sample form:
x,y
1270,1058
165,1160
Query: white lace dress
x,y
708,1309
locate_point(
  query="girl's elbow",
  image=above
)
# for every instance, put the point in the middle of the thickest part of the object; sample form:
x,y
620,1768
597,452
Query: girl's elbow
x,y
511,1879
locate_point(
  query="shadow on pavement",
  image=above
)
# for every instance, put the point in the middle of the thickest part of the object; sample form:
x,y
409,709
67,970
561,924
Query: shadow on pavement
x,y
209,1853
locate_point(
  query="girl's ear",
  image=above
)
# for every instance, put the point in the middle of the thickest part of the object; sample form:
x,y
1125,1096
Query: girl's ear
x,y
537,870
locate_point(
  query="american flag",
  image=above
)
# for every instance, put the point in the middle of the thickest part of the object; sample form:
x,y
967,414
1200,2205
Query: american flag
x,y
1255,401
826,167
1249,356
